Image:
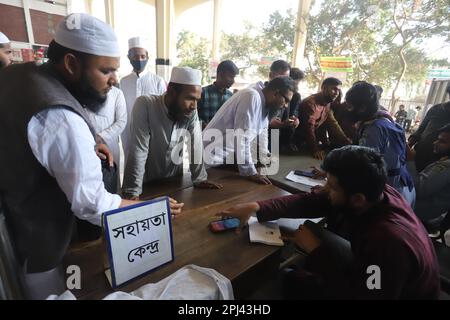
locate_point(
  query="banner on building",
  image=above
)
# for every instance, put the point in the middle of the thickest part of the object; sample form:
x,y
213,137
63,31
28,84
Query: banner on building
x,y
438,74
336,64
267,61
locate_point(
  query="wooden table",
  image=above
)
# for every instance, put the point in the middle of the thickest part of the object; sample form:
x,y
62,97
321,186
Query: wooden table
x,y
246,265
288,163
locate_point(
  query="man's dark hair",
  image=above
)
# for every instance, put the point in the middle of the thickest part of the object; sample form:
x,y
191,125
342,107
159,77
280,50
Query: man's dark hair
x,y
331,82
56,53
379,91
282,84
418,108
2,45
227,66
358,170
297,74
363,93
280,66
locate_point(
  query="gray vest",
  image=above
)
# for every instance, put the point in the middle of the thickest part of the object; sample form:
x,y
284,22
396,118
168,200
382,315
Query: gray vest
x,y
37,212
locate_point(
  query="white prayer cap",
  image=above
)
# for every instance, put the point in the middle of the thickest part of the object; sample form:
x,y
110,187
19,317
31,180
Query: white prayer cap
x,y
3,38
84,33
136,42
186,75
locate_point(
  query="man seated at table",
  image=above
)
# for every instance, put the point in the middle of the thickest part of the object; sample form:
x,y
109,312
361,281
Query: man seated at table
x,y
422,139
317,119
245,116
433,183
388,254
160,126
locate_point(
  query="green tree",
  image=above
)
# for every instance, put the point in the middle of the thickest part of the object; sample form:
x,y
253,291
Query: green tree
x,y
409,23
341,27
383,38
279,34
194,52
243,49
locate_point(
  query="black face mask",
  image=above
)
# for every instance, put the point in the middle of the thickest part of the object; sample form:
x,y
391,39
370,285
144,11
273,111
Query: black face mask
x,y
86,94
139,65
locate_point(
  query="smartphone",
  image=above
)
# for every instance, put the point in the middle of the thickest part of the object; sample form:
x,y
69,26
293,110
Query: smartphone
x,y
304,173
224,224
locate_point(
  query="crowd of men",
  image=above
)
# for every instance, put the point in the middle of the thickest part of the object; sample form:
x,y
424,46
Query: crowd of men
x,y
61,123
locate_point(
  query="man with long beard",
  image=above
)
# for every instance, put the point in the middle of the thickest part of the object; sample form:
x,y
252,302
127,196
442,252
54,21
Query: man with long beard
x,y
5,51
159,127
50,166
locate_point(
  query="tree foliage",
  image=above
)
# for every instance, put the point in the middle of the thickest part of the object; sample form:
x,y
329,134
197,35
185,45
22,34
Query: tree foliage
x,y
384,38
193,51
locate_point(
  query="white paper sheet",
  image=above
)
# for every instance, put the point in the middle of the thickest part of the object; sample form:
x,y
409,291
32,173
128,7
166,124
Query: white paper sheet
x,y
304,180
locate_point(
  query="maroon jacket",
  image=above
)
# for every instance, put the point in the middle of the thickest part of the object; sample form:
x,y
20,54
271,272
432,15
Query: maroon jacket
x,y
389,235
315,113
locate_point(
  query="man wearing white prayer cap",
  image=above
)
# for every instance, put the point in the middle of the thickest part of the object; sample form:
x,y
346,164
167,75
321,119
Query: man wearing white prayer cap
x,y
138,83
160,126
5,51
51,171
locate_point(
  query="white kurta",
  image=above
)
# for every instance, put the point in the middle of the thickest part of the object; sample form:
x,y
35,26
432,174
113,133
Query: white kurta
x,y
245,110
110,121
134,86
63,144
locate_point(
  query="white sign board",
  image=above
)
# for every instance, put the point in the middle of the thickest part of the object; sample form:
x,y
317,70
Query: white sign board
x,y
139,239
336,74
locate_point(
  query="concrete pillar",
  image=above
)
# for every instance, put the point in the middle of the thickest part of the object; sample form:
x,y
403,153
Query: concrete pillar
x,y
300,33
88,4
109,12
26,10
165,34
217,27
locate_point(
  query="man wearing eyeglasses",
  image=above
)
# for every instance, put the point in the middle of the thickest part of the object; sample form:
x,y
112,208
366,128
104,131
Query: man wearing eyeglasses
x,y
245,115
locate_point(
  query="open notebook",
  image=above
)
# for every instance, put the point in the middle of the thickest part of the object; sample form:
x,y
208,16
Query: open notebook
x,y
266,232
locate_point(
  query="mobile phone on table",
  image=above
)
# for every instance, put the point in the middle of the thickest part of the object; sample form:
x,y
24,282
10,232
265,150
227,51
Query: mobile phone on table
x,y
305,173
224,224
